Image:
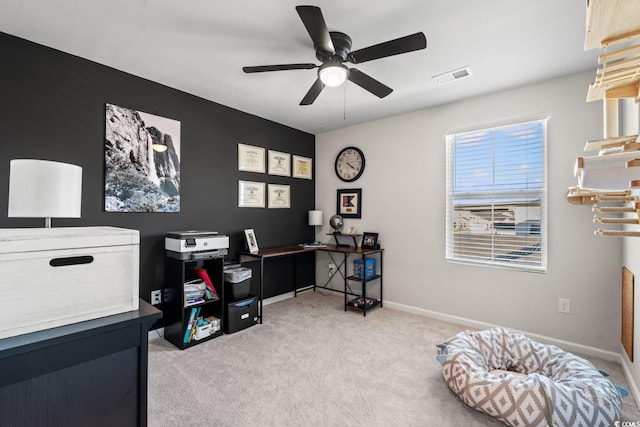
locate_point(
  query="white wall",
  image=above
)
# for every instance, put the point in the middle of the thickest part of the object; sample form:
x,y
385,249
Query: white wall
x,y
404,200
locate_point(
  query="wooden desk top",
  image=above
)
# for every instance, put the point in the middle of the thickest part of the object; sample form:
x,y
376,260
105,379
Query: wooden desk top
x,y
297,249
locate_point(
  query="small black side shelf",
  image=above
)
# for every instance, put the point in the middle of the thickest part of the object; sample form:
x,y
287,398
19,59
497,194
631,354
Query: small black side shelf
x,y
176,313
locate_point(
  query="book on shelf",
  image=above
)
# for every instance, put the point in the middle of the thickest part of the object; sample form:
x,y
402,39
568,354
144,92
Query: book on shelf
x,y
314,245
190,331
194,301
187,332
207,280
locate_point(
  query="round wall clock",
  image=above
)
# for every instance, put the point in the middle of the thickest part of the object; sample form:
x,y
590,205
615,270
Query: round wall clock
x,y
350,164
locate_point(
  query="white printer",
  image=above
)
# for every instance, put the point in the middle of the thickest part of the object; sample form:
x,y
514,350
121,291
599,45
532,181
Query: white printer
x,y
196,244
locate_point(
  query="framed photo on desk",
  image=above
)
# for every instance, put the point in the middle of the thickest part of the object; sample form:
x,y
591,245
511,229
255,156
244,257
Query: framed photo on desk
x,y
369,240
252,242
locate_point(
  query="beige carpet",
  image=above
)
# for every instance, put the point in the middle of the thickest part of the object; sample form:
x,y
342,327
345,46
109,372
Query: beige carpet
x,y
312,364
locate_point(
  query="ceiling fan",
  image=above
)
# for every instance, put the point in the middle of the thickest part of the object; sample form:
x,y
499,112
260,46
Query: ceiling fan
x,y
334,48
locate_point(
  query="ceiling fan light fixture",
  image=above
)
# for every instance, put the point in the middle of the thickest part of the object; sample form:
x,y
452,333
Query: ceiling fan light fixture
x,y
333,74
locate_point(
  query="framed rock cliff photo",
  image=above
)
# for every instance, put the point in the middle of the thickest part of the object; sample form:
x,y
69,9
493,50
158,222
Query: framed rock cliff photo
x,y
142,162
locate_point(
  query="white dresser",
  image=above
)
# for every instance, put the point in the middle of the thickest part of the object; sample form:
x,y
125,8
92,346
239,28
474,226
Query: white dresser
x,y
56,276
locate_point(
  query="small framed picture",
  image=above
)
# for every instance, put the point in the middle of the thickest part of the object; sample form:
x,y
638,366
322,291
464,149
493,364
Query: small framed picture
x,y
349,203
252,242
302,167
369,240
279,163
279,196
250,158
250,194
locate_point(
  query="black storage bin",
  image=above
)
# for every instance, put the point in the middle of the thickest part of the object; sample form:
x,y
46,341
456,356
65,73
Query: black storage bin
x,y
240,315
237,283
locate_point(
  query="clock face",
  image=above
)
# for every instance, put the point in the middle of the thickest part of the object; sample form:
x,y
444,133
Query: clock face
x,y
350,164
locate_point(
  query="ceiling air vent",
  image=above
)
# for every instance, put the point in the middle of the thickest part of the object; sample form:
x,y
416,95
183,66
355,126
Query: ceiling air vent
x,y
451,76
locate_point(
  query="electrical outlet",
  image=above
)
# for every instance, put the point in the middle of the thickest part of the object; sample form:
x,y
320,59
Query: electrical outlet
x,y
156,297
564,305
332,270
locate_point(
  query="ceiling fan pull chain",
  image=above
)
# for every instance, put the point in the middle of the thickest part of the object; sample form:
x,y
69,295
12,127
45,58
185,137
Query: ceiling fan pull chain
x,y
344,103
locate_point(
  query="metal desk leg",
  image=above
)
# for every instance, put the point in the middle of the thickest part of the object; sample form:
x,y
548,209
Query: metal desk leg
x,y
364,285
261,282
345,282
295,276
381,276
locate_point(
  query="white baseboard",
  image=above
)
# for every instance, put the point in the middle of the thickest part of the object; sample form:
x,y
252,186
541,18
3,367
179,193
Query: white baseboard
x,y
633,387
463,321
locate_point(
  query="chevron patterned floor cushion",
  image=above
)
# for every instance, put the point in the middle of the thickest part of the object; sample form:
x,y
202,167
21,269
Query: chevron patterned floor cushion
x,y
557,389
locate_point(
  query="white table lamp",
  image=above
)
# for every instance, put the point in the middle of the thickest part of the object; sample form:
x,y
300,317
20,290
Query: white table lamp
x,y
315,218
44,189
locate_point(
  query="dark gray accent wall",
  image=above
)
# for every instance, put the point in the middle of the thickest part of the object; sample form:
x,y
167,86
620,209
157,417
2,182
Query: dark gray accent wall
x,y
52,107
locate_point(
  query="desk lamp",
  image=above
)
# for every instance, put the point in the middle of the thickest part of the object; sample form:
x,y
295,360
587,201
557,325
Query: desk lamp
x,y
42,188
315,219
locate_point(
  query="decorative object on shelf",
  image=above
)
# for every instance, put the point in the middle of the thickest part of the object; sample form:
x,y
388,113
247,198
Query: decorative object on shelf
x,y
349,203
351,230
350,164
142,162
279,196
279,163
336,222
44,189
250,158
252,242
369,240
250,194
302,167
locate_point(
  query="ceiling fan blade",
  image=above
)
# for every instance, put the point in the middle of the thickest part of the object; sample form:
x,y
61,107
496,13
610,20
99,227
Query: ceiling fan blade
x,y
404,44
263,68
367,82
313,93
314,22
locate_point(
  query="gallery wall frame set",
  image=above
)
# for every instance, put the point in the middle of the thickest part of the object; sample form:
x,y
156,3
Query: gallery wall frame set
x,y
251,194
252,159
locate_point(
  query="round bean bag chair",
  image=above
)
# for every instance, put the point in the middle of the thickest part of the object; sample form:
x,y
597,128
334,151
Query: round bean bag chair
x,y
522,382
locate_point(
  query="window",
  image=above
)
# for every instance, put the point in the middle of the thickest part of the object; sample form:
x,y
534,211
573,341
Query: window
x,y
496,196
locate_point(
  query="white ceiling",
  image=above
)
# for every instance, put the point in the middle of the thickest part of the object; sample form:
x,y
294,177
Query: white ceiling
x,y
200,47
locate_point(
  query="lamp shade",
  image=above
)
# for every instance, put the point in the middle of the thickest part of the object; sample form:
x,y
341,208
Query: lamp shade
x,y
315,217
44,189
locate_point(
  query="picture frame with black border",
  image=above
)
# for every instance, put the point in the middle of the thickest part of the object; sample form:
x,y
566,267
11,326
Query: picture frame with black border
x,y
349,203
369,240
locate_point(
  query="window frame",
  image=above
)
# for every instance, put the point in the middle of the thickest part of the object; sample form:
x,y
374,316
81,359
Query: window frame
x,y
493,195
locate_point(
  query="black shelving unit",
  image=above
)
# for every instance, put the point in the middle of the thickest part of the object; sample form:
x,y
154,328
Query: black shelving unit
x,y
362,302
176,312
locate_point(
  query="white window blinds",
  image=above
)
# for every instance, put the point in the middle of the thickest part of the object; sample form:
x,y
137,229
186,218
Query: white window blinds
x,y
496,196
